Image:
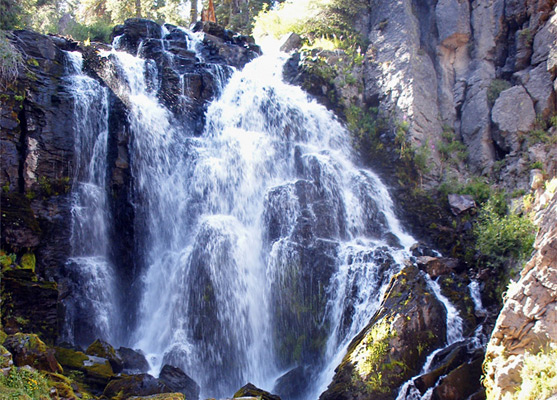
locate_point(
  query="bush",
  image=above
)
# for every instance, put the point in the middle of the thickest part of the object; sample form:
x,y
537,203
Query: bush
x,y
501,236
11,61
495,88
22,383
539,375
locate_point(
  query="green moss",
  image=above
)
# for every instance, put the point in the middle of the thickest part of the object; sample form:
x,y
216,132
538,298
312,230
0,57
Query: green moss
x,y
70,358
28,261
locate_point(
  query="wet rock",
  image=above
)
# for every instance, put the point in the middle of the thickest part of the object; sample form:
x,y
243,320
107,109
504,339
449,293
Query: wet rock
x,y
460,383
420,249
437,266
447,361
460,203
28,349
409,324
102,349
20,228
293,384
162,396
96,371
32,305
127,386
178,381
133,31
513,113
134,361
250,390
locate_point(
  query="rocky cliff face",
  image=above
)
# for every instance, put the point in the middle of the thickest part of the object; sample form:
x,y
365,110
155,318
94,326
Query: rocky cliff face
x,y
527,323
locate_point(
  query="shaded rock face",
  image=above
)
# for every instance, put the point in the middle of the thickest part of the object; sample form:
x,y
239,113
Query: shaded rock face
x,y
178,381
394,345
529,316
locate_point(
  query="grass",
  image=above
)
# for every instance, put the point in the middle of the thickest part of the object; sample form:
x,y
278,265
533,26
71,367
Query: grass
x,y
11,61
539,375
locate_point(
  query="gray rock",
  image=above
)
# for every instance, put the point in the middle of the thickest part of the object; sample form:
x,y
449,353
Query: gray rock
x,y
545,44
540,87
523,40
453,22
513,113
293,42
475,126
460,203
178,381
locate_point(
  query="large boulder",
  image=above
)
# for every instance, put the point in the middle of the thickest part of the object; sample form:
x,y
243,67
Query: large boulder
x,y
513,113
394,345
134,361
28,349
102,349
178,381
126,386
250,390
95,371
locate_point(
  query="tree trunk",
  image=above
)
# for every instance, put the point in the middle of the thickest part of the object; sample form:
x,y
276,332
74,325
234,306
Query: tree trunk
x,y
193,12
138,8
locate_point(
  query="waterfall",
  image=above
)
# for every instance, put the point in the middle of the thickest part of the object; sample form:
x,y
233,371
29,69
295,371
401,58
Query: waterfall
x,y
92,308
262,244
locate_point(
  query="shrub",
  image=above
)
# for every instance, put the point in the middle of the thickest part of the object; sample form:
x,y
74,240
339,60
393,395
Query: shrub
x,y
495,88
11,61
22,383
501,236
539,375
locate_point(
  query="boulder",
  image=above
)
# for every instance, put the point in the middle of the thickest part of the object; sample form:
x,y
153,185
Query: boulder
x,y
250,390
178,381
436,266
162,396
292,42
293,384
461,383
126,386
133,31
96,371
392,348
102,349
28,349
6,358
134,361
513,113
460,203
539,85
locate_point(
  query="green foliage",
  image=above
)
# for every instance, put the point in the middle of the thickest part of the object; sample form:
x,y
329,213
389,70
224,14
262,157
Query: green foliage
x,y
539,375
22,383
97,32
450,148
495,88
536,165
315,20
501,236
11,61
7,259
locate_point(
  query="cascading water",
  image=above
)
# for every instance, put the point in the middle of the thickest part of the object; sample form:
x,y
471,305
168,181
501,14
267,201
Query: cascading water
x,y
261,237
92,308
264,246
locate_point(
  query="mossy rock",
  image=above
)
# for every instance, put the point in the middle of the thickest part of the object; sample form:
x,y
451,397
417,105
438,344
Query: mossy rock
x,y
162,396
393,347
3,336
102,349
94,372
6,359
62,384
28,261
29,349
126,386
250,390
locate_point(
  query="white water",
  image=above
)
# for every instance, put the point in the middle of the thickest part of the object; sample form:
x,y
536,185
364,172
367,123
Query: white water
x,y
220,217
93,298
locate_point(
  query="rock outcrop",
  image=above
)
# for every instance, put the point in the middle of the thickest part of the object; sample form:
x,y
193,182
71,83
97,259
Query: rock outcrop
x,y
393,347
527,323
